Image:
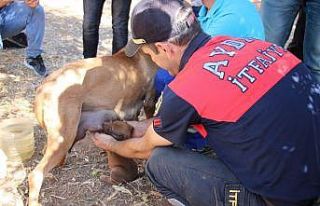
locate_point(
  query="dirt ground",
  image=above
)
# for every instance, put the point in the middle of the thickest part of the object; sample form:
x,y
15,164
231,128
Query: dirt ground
x,y
78,182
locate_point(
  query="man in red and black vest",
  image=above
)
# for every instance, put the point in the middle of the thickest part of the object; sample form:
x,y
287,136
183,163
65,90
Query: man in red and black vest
x,y
256,103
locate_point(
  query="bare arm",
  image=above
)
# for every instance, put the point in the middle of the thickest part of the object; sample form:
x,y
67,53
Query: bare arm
x,y
140,127
32,3
4,3
139,148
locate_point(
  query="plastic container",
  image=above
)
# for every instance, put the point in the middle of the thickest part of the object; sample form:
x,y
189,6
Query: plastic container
x,y
16,139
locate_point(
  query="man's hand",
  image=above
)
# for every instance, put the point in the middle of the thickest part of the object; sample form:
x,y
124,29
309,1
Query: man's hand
x,y
139,148
32,3
4,3
103,141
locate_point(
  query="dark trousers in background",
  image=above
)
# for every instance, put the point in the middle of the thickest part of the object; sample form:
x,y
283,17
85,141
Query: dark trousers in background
x,y
91,21
296,45
278,18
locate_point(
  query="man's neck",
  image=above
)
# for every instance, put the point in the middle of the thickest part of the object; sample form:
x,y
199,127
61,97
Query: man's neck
x,y
197,41
177,57
182,49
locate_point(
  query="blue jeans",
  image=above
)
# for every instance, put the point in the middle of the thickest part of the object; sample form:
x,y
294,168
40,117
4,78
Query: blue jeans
x,y
278,17
1,45
91,22
17,17
195,179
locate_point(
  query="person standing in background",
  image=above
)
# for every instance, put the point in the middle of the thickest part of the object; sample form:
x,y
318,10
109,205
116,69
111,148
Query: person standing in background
x,y
278,18
236,18
16,16
91,22
1,45
296,45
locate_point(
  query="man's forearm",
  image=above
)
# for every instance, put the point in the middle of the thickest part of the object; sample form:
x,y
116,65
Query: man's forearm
x,y
4,3
131,148
134,147
137,147
140,127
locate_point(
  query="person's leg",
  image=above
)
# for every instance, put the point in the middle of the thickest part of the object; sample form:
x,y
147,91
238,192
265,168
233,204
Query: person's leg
x,y
278,18
1,25
275,202
194,179
17,17
35,31
13,22
311,50
16,42
120,16
92,11
1,45
296,45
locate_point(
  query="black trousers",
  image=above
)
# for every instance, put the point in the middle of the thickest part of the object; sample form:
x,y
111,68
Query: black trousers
x,y
91,22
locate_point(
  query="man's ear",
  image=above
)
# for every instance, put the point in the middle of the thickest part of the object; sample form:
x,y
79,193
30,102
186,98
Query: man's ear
x,y
161,46
164,47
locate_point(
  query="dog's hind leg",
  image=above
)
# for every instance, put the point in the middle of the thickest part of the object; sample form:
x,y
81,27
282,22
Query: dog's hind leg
x,y
53,157
61,135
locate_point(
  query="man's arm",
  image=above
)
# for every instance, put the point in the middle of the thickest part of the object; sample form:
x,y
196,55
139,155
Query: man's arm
x,y
32,3
172,122
139,148
4,3
140,127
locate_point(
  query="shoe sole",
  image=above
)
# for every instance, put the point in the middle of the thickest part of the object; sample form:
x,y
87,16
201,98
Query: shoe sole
x,y
31,67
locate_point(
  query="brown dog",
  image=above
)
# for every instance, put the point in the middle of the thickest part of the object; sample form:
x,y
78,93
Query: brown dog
x,y
83,95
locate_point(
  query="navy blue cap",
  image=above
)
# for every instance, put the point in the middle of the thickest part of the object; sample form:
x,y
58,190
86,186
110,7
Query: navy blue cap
x,y
157,21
